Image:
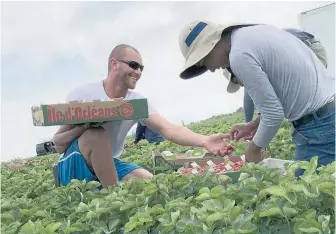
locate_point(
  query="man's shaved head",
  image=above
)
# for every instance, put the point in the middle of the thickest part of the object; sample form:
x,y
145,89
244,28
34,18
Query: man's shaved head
x,y
118,52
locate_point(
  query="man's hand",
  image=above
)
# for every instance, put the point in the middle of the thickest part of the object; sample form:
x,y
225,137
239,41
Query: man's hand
x,y
250,137
253,153
241,131
246,130
216,144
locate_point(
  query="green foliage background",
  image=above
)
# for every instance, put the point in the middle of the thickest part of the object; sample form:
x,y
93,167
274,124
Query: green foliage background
x,y
262,201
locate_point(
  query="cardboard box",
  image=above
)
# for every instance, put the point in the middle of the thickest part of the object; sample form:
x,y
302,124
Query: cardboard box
x,y
176,161
89,112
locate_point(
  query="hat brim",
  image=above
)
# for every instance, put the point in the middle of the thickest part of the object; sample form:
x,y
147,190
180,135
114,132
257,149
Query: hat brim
x,y
232,87
190,69
193,72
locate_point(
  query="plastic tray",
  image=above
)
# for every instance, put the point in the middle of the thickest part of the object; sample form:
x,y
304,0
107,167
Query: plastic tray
x,y
275,163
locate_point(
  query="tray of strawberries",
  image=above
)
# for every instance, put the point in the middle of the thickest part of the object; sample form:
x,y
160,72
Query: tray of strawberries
x,y
217,168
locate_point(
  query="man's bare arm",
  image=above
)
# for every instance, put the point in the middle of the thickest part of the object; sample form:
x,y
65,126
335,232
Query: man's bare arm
x,y
177,134
66,134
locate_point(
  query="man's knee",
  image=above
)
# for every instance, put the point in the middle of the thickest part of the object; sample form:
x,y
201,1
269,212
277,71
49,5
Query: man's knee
x,y
94,134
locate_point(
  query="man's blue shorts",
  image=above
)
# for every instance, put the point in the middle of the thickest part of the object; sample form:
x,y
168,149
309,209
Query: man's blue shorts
x,y
72,165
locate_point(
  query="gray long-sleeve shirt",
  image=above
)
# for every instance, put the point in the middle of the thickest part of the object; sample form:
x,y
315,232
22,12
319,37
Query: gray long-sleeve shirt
x,y
284,78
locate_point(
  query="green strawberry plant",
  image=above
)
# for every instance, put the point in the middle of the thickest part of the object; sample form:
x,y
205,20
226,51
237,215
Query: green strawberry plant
x,y
262,201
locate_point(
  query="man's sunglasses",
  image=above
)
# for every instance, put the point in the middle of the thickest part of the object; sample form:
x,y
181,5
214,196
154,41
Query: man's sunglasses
x,y
132,64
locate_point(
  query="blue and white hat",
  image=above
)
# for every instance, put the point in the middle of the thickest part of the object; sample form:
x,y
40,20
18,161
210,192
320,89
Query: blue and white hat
x,y
196,40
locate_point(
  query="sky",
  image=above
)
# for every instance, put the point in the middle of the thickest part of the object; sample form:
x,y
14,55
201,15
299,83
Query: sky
x,y
49,48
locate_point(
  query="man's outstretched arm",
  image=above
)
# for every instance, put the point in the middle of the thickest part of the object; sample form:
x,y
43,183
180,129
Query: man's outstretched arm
x,y
183,136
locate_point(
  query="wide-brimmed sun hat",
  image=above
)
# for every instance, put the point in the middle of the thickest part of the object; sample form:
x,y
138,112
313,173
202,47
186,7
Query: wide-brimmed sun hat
x,y
196,40
232,86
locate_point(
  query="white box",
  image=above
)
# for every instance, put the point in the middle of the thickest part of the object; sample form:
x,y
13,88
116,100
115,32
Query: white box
x,y
276,163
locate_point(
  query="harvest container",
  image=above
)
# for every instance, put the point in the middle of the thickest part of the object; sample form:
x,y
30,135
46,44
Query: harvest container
x,y
199,156
269,163
176,161
78,112
276,163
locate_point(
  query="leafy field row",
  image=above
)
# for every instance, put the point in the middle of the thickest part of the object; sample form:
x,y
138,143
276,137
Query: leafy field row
x,y
262,201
